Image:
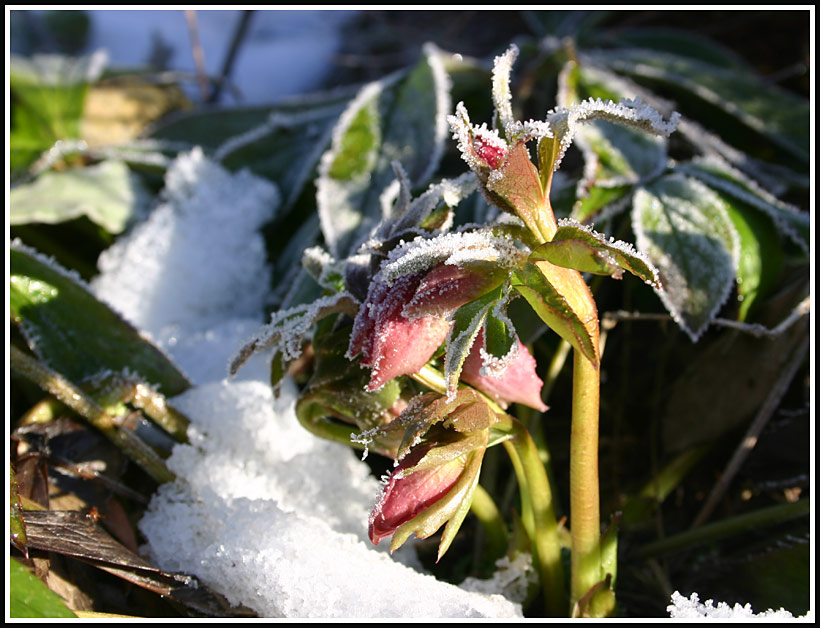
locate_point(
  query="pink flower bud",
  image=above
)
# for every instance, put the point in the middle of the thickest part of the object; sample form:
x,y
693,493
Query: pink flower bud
x,y
406,496
390,343
517,383
400,326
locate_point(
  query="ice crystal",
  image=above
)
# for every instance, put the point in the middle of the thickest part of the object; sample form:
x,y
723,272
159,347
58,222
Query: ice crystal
x,y
564,120
457,248
692,608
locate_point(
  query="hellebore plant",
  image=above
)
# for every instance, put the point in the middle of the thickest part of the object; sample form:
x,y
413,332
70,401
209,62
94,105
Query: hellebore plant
x,y
432,361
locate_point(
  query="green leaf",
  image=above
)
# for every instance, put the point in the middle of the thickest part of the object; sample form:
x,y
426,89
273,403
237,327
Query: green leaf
x,y
48,95
499,333
761,254
555,310
620,154
73,332
467,322
585,250
789,220
108,193
599,199
767,109
400,118
684,228
30,597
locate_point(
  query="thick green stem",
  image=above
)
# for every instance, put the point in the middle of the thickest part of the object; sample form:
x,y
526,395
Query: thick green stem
x,y
585,517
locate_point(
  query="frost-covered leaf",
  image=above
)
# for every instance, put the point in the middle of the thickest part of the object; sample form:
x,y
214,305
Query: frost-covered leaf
x,y
287,329
555,309
73,332
401,118
565,121
467,322
518,185
285,148
766,108
720,176
108,193
467,249
617,155
414,215
582,248
684,228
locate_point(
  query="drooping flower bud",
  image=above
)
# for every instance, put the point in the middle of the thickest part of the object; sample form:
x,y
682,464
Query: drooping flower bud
x,y
431,486
390,343
400,325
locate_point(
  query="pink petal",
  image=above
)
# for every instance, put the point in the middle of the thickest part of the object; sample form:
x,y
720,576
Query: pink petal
x,y
518,383
446,288
391,344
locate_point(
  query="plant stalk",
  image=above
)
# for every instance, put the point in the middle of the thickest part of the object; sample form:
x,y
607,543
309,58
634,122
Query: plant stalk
x,y
585,516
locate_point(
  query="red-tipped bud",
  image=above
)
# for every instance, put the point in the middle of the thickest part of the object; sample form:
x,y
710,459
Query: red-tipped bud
x,y
405,496
490,149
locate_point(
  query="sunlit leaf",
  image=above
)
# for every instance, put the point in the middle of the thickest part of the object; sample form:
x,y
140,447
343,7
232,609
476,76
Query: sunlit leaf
x,y
685,229
29,597
108,193
556,309
48,94
761,254
581,248
73,332
600,200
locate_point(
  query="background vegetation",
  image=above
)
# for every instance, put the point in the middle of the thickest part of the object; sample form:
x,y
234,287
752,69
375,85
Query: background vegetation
x,y
700,511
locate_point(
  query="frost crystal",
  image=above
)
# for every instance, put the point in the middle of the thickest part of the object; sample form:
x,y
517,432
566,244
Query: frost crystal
x,y
632,113
452,248
502,69
691,608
